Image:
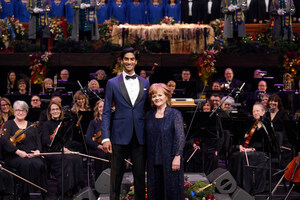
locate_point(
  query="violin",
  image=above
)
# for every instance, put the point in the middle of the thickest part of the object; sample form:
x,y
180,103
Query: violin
x,y
250,134
293,171
97,137
20,134
78,122
52,136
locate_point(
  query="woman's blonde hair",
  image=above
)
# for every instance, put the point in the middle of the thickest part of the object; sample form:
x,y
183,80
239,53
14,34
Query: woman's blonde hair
x,y
96,110
10,112
154,88
77,96
93,80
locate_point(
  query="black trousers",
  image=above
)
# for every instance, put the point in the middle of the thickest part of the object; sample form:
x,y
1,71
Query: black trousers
x,y
137,154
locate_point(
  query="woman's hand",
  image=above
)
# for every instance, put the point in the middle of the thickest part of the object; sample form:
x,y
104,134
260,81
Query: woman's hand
x,y
66,150
21,153
176,163
196,146
34,154
100,146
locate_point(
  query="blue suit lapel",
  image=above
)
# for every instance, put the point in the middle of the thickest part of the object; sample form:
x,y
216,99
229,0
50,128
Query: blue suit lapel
x,y
124,90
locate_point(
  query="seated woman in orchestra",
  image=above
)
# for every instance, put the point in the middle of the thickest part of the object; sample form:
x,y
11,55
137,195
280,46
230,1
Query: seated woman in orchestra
x,y
94,85
206,106
47,86
73,176
204,158
277,118
6,111
22,155
82,116
22,85
11,83
93,139
251,151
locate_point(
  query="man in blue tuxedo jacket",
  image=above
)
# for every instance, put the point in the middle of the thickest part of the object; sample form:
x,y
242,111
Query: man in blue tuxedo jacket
x,y
128,92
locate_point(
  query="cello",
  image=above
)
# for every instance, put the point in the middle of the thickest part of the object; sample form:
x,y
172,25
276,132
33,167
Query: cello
x,y
293,171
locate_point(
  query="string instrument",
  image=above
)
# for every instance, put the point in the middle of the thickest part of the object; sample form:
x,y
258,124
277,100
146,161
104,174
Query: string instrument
x,y
97,137
250,134
293,171
78,122
2,132
20,134
52,136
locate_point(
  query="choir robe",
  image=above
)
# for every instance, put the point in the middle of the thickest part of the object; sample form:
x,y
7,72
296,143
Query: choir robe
x,y
7,8
103,13
21,12
155,13
136,13
58,9
118,11
173,11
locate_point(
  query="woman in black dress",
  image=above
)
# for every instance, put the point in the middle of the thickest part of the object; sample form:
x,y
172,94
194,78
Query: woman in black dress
x,y
165,141
96,149
253,154
73,176
277,118
23,156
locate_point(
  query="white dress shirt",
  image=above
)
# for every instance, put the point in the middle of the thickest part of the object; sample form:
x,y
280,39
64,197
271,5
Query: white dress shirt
x,y
132,86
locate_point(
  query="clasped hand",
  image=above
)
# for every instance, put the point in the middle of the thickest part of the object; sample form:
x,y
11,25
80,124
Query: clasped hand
x,y
38,10
281,11
232,7
84,6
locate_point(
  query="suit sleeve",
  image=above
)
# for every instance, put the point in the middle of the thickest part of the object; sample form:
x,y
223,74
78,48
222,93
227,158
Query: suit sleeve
x,y
106,116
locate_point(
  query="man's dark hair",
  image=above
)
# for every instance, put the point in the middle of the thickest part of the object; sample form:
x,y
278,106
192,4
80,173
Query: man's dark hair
x,y
129,50
186,69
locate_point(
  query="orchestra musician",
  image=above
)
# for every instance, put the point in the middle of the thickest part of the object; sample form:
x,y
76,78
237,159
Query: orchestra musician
x,y
73,176
6,111
93,139
251,153
81,116
23,156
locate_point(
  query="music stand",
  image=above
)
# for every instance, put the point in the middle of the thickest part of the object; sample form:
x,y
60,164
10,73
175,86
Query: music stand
x,y
63,134
272,147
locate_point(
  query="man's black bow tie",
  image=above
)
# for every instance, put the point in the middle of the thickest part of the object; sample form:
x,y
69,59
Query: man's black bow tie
x,y
129,77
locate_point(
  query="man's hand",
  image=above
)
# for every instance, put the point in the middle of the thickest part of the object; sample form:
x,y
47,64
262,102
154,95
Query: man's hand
x,y
107,147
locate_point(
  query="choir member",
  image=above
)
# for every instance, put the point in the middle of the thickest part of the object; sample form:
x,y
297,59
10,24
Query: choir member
x,y
155,11
173,9
21,12
103,12
136,12
118,11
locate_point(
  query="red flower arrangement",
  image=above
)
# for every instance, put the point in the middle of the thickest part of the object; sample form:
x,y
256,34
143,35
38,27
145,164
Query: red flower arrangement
x,y
38,66
206,65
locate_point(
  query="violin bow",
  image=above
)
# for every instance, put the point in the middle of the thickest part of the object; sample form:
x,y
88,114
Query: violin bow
x,y
3,169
